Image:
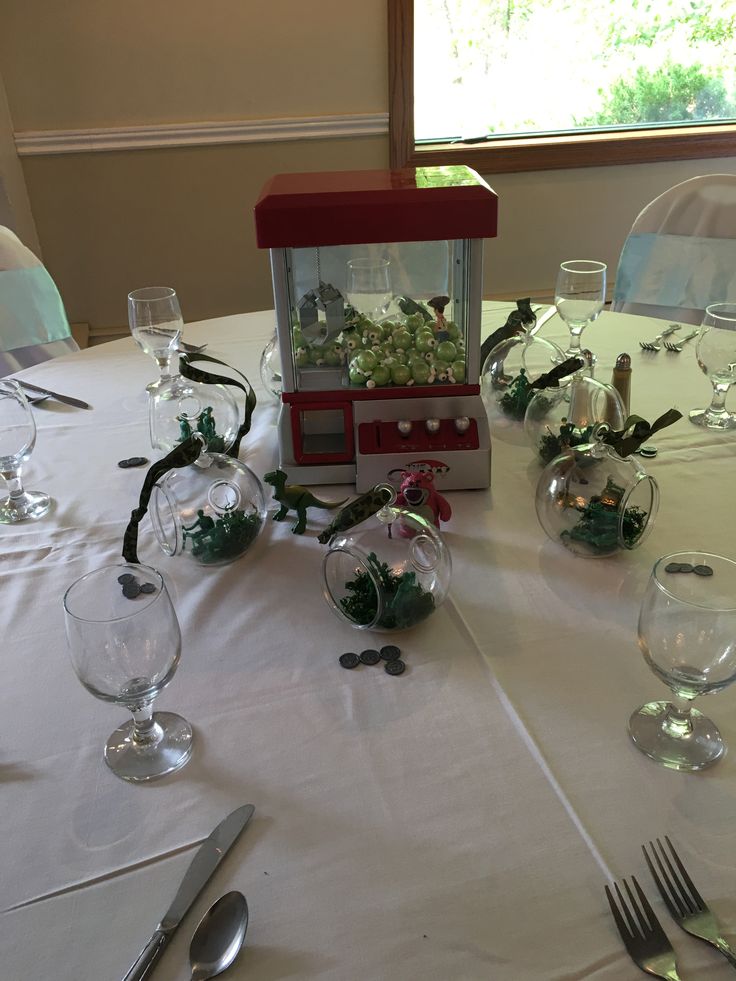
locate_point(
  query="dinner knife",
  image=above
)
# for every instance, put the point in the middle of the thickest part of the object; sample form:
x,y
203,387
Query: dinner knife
x,y
77,403
209,855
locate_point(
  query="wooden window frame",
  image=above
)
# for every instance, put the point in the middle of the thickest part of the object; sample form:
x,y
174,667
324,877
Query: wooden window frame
x,y
529,153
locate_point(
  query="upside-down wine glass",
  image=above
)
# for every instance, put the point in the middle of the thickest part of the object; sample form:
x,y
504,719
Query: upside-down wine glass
x,y
124,641
17,439
687,634
716,354
369,286
156,325
579,297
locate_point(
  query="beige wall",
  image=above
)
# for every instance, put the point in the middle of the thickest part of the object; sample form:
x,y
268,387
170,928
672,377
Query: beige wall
x,y
112,221
86,63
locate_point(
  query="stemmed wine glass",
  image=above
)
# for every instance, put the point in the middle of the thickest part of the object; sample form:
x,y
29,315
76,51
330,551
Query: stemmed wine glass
x,y
687,634
156,325
579,297
17,439
716,354
369,286
124,641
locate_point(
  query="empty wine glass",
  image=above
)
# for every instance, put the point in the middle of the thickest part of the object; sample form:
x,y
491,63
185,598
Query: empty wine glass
x,y
687,634
124,641
369,286
17,439
156,325
579,297
716,354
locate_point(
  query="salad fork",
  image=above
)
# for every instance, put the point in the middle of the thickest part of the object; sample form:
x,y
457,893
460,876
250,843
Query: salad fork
x,y
683,900
676,348
654,345
645,940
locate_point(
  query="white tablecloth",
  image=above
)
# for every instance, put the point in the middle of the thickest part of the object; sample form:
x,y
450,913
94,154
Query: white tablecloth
x,y
459,821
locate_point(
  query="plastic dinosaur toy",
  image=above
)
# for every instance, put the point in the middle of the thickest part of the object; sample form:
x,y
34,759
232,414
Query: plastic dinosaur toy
x,y
294,497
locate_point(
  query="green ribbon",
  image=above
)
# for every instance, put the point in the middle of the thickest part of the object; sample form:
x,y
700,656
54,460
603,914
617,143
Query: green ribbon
x,y
639,431
207,378
181,456
551,379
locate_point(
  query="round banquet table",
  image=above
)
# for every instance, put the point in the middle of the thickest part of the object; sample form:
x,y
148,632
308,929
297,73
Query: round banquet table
x,y
459,821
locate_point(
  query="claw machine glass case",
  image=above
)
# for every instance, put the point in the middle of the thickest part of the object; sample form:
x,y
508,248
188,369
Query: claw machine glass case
x,y
377,286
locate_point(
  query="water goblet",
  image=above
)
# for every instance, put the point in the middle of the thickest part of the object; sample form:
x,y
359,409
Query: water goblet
x,y
579,297
17,439
369,286
124,640
716,354
687,634
156,325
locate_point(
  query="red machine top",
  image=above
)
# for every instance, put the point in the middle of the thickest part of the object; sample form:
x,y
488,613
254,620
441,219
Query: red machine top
x,y
362,206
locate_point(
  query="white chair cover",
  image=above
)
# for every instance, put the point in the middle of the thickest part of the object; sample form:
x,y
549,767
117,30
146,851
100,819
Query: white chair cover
x,y
33,324
680,254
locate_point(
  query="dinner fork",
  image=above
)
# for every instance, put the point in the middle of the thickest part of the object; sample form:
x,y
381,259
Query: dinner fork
x,y
683,900
654,345
645,941
669,346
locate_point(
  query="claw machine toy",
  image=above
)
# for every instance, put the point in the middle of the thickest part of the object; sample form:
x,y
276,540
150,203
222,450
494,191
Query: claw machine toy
x,y
377,286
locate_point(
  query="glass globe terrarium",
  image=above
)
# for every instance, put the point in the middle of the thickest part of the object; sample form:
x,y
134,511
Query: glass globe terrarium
x,y
594,502
529,355
180,407
211,511
389,573
561,418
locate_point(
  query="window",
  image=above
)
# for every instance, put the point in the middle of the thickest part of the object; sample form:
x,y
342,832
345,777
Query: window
x,y
643,80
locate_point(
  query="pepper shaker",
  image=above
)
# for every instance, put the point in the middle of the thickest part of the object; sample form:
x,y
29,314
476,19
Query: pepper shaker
x,y
621,380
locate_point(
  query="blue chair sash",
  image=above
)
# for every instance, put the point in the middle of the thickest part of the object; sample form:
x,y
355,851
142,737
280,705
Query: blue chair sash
x,y
31,310
675,271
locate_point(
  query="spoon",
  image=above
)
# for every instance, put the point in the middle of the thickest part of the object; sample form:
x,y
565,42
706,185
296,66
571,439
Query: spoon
x,y
219,936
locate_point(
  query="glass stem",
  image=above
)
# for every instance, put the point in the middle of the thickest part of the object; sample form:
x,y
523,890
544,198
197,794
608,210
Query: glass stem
x,y
146,733
164,366
15,486
678,720
718,403
575,332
